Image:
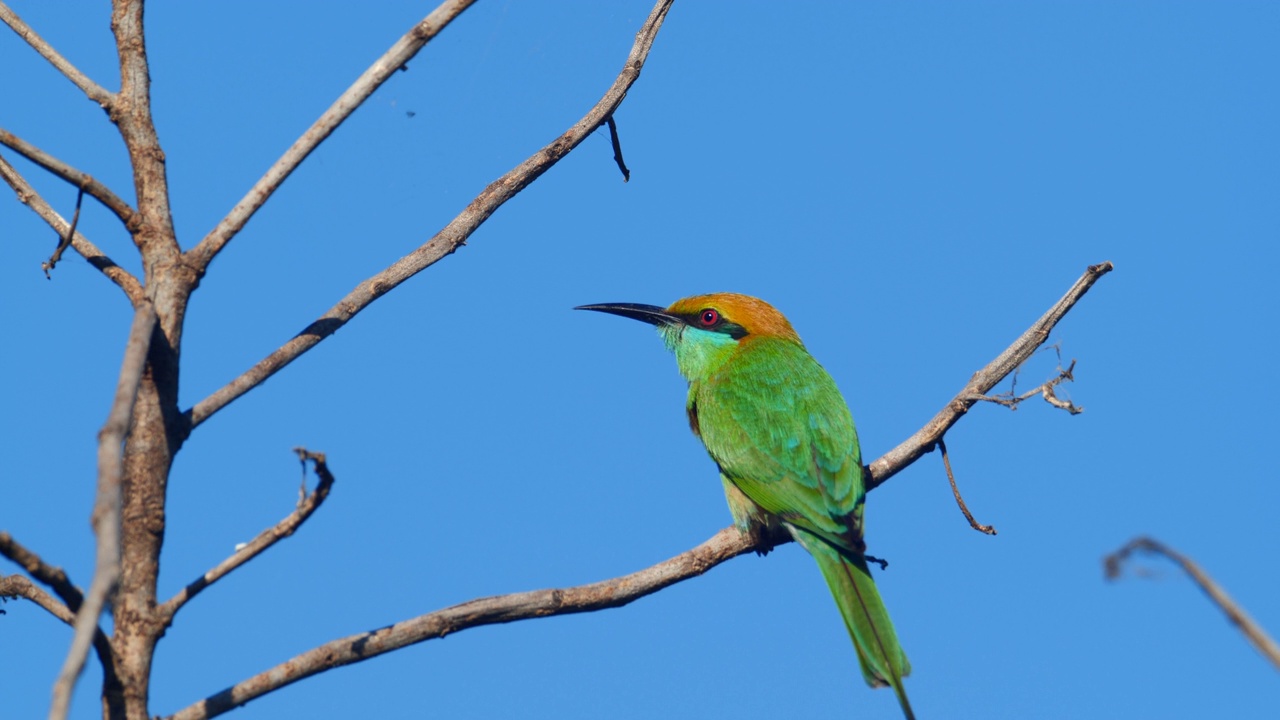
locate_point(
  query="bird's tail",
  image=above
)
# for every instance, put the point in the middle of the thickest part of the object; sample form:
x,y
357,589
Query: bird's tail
x,y
882,659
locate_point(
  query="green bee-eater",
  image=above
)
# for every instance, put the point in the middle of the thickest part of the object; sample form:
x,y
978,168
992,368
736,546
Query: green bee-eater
x,y
779,430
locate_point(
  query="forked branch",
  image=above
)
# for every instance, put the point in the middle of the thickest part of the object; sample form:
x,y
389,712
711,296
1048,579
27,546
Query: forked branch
x,y
1113,566
1012,400
450,237
982,381
726,544
54,577
29,197
308,503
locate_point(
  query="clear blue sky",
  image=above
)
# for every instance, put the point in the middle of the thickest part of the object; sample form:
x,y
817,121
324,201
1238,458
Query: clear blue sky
x,y
912,183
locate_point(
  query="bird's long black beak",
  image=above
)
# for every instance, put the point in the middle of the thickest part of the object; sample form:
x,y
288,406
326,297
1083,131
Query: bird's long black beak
x,y
651,314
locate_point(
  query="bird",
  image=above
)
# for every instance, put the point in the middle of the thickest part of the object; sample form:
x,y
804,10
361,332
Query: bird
x,y
782,436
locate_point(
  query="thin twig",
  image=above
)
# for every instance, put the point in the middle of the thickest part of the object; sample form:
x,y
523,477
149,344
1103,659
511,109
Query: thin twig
x,y
95,92
982,382
308,503
449,238
955,490
19,586
54,577
1113,566
726,544
617,149
106,510
84,181
383,68
65,241
90,252
1045,390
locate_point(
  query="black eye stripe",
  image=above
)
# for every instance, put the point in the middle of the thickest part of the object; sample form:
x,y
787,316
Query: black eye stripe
x,y
711,319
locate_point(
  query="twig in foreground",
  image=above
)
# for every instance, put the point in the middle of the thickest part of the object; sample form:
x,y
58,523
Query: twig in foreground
x,y
106,510
1113,566
955,490
307,504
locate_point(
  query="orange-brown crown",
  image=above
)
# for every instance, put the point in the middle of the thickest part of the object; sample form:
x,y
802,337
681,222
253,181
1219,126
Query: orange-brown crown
x,y
757,317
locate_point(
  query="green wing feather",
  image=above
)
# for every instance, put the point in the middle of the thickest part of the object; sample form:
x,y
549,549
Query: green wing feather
x,y
776,424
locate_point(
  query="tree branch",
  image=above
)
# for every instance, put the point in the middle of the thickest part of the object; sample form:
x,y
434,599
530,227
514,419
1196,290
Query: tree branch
x,y
153,232
307,504
106,511
54,577
955,490
450,237
395,58
617,148
12,586
19,586
90,252
1114,566
82,180
65,241
1012,400
96,93
724,545
982,382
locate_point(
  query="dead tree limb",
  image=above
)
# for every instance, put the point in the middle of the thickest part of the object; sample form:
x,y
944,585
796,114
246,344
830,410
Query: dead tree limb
x,y
1113,566
308,503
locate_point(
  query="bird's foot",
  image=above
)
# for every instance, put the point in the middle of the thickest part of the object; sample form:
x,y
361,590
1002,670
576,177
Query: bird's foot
x,y
758,535
884,564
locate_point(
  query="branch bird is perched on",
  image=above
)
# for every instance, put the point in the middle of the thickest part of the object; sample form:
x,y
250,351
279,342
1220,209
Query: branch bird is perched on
x,y
779,430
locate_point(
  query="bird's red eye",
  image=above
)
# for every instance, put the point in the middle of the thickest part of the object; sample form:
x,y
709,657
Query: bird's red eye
x,y
708,317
